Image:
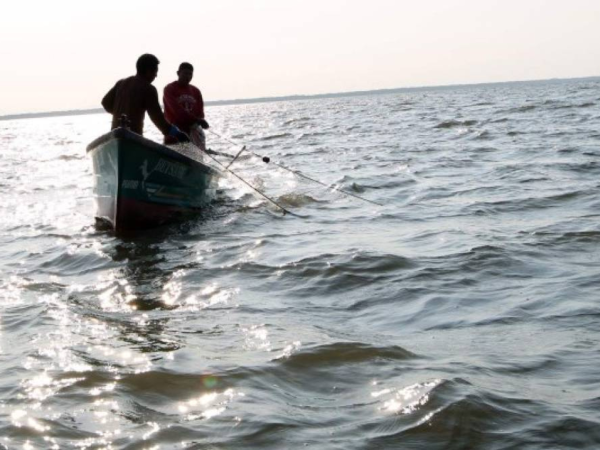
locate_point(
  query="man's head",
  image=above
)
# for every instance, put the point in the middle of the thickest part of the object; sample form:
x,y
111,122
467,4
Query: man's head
x,y
147,66
185,73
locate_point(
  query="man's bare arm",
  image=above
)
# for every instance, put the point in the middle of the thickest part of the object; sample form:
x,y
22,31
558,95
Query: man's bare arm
x,y
108,102
155,113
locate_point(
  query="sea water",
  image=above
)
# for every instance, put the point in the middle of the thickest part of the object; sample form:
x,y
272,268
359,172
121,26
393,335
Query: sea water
x,y
464,313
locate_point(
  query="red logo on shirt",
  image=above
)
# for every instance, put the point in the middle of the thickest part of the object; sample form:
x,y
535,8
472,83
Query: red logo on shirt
x,y
187,102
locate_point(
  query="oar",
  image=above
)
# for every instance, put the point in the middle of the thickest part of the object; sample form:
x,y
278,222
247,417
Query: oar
x,y
266,160
213,152
197,145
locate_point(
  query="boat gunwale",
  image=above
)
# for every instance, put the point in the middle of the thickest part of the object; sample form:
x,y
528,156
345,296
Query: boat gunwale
x,y
128,135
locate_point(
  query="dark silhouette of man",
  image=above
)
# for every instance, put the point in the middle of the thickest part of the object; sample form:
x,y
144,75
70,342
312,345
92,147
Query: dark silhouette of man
x,y
135,95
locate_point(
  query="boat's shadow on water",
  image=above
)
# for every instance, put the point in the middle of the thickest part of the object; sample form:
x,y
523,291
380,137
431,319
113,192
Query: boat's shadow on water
x,y
149,258
135,294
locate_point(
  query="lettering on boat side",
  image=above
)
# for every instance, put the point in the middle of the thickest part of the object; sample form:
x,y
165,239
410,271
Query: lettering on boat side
x,y
173,169
130,184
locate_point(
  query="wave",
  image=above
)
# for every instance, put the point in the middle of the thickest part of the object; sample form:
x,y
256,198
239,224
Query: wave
x,y
524,204
456,123
297,120
567,238
522,109
62,142
71,157
460,415
314,134
296,200
343,353
328,273
483,136
276,136
581,105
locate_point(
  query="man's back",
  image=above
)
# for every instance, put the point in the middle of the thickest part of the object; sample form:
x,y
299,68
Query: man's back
x,y
135,96
132,96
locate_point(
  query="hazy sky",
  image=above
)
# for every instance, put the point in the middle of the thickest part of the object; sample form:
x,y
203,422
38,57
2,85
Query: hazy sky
x,y
61,54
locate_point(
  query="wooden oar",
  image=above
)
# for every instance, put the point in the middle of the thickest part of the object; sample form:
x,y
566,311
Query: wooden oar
x,y
194,140
266,160
213,152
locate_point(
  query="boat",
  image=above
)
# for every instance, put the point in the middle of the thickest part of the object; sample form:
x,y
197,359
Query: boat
x,y
140,184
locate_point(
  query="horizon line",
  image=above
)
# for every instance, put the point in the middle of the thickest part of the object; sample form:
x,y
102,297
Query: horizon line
x,y
297,97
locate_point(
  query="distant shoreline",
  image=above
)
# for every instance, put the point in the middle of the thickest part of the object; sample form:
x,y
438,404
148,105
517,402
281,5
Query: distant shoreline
x,y
80,112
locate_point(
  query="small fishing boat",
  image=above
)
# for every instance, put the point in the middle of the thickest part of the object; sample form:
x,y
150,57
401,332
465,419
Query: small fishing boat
x,y
140,184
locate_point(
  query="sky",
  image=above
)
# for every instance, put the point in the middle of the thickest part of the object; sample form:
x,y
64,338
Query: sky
x,y
63,55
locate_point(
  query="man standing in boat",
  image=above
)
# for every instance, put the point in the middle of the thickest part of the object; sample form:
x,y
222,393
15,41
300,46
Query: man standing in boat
x,y
135,95
184,105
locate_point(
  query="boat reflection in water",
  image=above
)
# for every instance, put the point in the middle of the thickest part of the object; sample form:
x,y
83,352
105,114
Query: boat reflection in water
x,y
140,184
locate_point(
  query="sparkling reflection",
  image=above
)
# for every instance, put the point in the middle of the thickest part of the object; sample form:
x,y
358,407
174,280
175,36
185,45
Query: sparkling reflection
x,y
208,405
257,338
42,386
154,428
406,400
116,293
172,289
11,291
210,296
290,349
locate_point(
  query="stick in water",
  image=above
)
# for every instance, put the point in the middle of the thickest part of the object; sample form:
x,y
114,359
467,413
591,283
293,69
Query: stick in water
x,y
194,140
266,159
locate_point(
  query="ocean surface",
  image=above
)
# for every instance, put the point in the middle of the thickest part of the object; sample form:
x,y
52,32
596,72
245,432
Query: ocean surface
x,y
464,313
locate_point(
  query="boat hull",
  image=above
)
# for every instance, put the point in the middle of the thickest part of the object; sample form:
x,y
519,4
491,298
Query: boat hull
x,y
139,184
